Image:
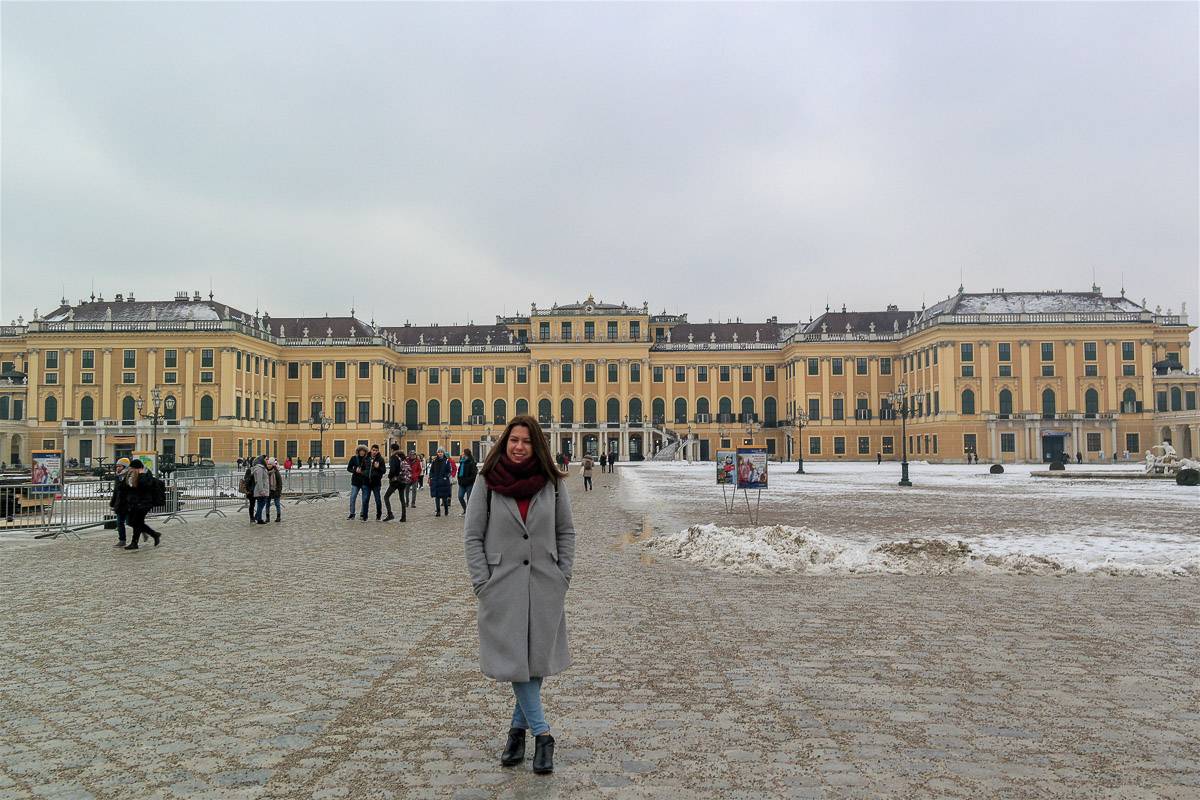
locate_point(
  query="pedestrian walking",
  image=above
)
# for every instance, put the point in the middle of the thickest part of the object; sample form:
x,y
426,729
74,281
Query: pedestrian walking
x,y
421,473
358,466
587,473
467,470
118,502
399,477
261,488
878,457
275,493
287,464
414,471
375,480
520,547
142,494
603,462
439,483
612,461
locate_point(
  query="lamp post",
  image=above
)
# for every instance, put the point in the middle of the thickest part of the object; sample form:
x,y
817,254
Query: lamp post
x,y
904,400
799,420
158,405
688,446
322,423
446,437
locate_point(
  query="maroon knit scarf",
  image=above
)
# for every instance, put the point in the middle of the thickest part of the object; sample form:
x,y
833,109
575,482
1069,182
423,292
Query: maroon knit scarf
x,y
518,481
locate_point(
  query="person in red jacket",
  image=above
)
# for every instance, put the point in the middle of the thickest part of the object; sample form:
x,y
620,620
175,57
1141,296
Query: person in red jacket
x,y
414,467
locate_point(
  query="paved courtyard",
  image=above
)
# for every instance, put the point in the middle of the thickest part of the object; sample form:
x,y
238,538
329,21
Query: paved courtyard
x,y
321,658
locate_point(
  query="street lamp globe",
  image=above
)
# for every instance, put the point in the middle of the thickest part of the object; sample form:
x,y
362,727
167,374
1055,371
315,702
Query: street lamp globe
x,y
170,403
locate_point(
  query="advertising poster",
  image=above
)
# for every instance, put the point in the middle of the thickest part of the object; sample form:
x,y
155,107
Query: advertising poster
x,y
47,470
726,465
752,468
149,461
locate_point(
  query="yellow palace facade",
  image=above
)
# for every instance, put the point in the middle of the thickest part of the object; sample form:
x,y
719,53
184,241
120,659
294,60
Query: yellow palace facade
x,y
1008,376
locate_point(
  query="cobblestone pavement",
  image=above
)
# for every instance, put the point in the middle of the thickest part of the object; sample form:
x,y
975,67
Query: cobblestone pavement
x,y
330,659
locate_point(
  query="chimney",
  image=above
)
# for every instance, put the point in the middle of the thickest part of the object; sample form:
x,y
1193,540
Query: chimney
x,y
181,297
893,307
119,298
195,297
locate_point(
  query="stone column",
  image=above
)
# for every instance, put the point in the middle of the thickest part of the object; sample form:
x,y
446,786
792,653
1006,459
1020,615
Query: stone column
x,y
352,393
106,384
1026,380
226,381
33,412
1110,375
986,404
189,384
1147,371
66,376
1072,407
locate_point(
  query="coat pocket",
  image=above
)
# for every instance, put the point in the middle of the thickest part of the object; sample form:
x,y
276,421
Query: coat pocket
x,y
493,561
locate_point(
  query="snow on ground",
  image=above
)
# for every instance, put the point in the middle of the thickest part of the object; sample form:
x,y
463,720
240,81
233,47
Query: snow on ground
x,y
852,518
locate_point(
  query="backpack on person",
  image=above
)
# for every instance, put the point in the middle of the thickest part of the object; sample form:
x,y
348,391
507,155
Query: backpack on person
x,y
158,492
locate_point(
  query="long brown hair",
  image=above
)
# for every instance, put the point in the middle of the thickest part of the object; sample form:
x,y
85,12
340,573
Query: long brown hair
x,y
541,450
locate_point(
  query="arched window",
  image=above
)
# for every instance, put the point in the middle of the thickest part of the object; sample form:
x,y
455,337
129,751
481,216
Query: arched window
x,y
433,413
1006,402
411,416
499,412
522,407
725,406
748,408
51,414
612,410
968,402
567,410
87,409
128,410
206,407
702,405
171,409
1091,402
770,413
1048,407
1176,399
1129,401
544,410
681,411
4,407
477,408
635,409
455,412
589,410
658,411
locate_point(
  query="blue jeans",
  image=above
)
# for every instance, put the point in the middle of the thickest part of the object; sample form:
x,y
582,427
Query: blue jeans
x,y
464,494
528,714
366,498
120,526
278,508
260,505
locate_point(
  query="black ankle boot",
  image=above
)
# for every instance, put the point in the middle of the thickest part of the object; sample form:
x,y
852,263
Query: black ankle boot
x,y
514,750
543,754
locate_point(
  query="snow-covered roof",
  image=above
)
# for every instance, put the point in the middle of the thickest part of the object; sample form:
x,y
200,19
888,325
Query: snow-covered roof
x,y
136,311
1041,303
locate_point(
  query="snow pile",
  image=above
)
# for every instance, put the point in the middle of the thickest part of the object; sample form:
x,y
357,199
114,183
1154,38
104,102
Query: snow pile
x,y
783,548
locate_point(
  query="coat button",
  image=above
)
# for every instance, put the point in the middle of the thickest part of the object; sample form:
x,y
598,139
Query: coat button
x,y
527,562
525,536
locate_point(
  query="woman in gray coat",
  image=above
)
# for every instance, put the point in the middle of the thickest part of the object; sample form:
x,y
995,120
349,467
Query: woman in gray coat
x,y
520,545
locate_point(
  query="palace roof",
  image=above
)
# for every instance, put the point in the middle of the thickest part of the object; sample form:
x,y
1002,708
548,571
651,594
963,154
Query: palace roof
x,y
415,335
121,310
1031,303
860,322
722,332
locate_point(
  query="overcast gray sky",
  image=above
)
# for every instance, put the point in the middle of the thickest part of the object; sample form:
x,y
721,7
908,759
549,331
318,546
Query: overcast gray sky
x,y
449,162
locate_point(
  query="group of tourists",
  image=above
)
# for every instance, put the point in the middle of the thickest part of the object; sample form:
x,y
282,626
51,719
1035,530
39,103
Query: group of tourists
x,y
288,464
406,476
135,493
262,484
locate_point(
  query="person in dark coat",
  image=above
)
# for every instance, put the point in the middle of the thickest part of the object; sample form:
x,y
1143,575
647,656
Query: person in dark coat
x,y
118,503
520,549
139,501
378,468
399,477
439,482
467,470
248,482
414,484
603,462
275,491
359,468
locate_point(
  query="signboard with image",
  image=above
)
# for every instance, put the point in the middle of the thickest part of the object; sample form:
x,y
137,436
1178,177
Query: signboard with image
x,y
752,468
726,466
47,470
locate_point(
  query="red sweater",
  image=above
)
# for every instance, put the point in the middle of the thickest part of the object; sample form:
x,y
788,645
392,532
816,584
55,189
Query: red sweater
x,y
523,506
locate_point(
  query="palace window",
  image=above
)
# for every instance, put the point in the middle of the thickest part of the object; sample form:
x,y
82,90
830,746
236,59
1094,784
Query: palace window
x,y
522,375
170,377
860,366
635,330
1132,442
51,379
1047,370
968,370
612,330
1008,443
87,377
1093,443
1127,352
206,377
889,445
566,331
814,445
768,373
565,368
864,445
814,408
885,365
1005,370
316,370
129,377
1047,351
1004,351
589,373
747,374
839,445
87,359
364,411
658,374
702,374
1089,351
410,375
1128,370
499,374
635,371
724,374
129,360
589,330
814,366
293,413
966,351
836,367
476,374
293,372
839,408
1091,370
364,369
613,377
456,375
435,375
680,374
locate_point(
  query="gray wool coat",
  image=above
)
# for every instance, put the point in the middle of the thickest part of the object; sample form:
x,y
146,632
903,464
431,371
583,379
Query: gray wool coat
x,y
520,572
